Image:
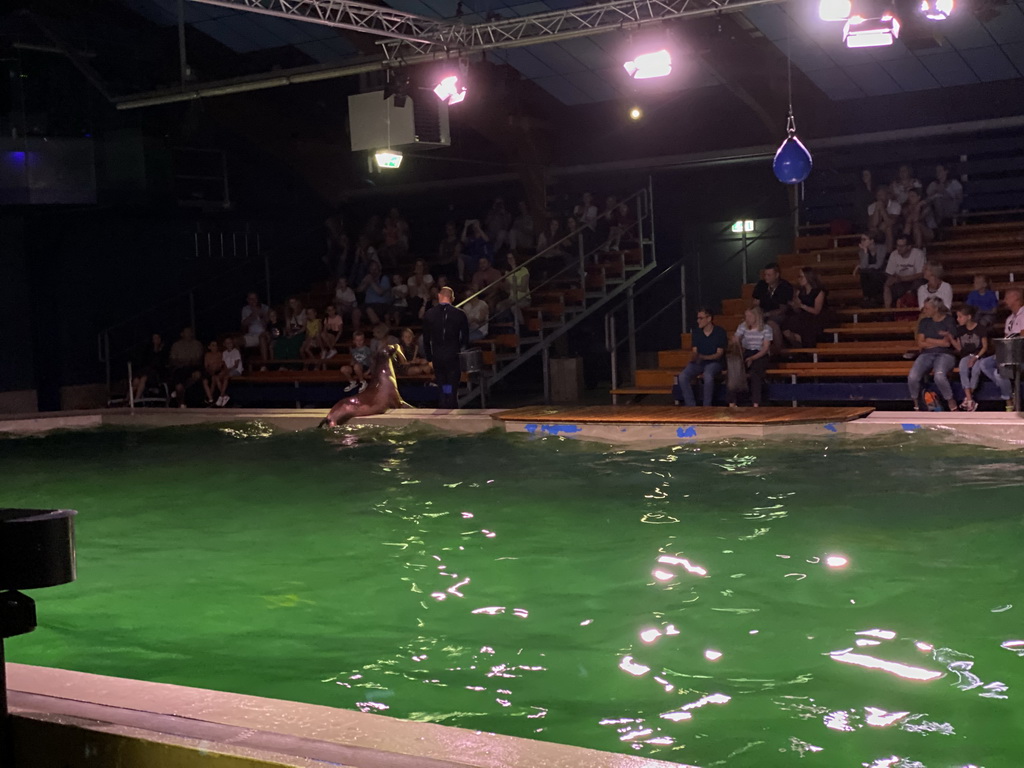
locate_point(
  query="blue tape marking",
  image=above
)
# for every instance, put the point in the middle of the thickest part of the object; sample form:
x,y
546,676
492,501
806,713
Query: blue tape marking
x,y
446,388
910,427
687,432
831,427
531,428
557,429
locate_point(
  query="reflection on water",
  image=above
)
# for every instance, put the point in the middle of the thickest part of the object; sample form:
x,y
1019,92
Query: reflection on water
x,y
730,604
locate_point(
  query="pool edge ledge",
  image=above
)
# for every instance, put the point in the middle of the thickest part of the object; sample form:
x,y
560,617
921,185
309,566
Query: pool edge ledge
x,y
259,731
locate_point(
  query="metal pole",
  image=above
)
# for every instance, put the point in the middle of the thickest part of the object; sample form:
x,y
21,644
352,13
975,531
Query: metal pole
x,y
182,61
631,330
613,349
131,389
547,375
266,273
744,233
106,356
682,295
196,238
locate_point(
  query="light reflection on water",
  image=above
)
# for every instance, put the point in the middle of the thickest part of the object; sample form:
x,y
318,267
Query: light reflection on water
x,y
732,604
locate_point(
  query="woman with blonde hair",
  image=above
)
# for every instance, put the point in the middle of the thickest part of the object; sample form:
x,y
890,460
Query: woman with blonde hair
x,y
754,339
935,333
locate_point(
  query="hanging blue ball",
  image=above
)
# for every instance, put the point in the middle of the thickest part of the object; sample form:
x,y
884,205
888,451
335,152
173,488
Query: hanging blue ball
x,y
792,163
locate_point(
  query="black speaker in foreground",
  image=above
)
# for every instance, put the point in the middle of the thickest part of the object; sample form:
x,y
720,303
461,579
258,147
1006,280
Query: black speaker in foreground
x,y
37,549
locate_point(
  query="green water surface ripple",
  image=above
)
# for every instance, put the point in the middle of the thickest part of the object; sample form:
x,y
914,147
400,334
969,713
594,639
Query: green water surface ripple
x,y
733,604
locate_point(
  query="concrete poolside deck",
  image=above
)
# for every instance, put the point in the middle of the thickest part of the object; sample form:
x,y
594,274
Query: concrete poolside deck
x,y
636,426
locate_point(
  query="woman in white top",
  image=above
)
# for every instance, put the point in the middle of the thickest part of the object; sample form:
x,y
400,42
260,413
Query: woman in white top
x,y
754,338
935,287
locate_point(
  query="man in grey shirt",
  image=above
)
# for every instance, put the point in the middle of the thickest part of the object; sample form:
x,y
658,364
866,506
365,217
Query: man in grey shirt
x,y
871,268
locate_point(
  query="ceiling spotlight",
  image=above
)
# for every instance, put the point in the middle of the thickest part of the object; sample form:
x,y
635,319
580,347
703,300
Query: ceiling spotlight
x,y
449,90
388,158
869,33
937,10
635,113
835,10
647,65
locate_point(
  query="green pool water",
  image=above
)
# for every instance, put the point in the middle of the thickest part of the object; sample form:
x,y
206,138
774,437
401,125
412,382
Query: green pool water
x,y
673,603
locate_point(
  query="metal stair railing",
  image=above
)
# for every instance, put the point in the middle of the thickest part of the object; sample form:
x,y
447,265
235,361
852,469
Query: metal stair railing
x,y
541,345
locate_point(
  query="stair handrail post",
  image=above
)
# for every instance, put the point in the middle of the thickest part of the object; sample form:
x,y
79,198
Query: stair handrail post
x,y
612,347
131,389
631,331
583,259
682,294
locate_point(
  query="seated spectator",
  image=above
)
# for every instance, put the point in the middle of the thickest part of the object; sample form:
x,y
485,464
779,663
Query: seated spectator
x,y
215,375
773,296
605,221
918,221
185,362
431,298
151,368
497,223
934,286
475,246
903,183
983,299
275,329
254,325
361,358
522,236
365,255
870,267
289,343
232,358
333,326
338,245
382,337
804,324
310,349
449,253
936,354
706,359
346,304
883,215
1014,326
415,363
486,279
399,310
971,343
626,223
396,239
863,197
477,313
376,289
585,215
517,288
904,270
945,195
754,338
419,283
554,255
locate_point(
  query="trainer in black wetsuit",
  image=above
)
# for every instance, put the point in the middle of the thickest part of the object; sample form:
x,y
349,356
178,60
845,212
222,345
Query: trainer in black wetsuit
x,y
445,334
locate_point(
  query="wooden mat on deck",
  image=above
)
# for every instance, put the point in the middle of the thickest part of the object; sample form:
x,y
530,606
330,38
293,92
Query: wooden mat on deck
x,y
671,414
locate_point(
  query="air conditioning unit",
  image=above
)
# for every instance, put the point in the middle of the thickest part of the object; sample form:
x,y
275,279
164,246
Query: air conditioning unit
x,y
421,124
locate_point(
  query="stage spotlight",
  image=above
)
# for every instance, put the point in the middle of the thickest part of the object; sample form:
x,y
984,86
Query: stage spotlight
x,y
635,113
835,10
388,158
937,10
648,65
869,33
449,90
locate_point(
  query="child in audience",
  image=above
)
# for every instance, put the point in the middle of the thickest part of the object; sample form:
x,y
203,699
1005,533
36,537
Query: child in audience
x,y
382,337
399,300
331,333
310,348
232,358
361,357
983,299
971,342
415,364
215,375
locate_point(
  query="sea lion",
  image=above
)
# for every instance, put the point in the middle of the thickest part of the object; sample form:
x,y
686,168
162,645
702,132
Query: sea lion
x,y
380,395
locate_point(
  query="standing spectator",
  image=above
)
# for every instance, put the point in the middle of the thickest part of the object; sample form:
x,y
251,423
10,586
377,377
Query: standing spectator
x,y
517,286
215,375
255,321
774,296
935,333
971,342
984,299
346,304
934,286
883,215
445,334
486,279
376,290
475,246
905,270
522,236
945,195
754,337
805,323
151,368
903,183
449,253
185,360
871,269
477,312
706,358
419,284
1014,326
917,219
497,223
863,196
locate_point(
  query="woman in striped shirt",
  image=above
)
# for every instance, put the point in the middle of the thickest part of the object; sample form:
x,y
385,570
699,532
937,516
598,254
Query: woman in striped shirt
x,y
754,338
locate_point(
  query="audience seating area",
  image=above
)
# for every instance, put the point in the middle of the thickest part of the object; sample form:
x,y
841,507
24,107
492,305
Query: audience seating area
x,y
860,356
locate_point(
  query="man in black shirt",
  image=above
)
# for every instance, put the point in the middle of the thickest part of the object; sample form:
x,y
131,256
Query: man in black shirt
x,y
445,334
773,295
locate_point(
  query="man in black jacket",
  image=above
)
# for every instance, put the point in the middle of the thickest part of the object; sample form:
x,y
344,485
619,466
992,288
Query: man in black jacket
x,y
445,334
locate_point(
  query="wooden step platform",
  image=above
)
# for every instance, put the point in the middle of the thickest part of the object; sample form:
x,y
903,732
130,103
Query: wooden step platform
x,y
669,414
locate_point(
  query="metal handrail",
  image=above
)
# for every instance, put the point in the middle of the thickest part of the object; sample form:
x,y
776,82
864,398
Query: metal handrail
x,y
677,266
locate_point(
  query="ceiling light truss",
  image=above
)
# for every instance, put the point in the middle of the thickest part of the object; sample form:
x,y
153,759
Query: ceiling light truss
x,y
417,36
